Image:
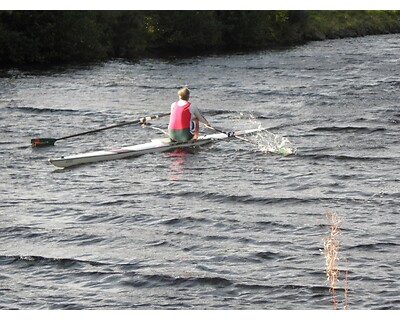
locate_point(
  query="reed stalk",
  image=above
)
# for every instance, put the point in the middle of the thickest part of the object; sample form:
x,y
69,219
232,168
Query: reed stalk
x,y
331,252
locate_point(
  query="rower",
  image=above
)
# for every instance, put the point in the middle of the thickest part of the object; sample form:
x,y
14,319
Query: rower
x,y
184,119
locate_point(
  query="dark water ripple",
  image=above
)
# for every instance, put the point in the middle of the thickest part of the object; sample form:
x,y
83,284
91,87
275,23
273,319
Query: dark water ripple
x,y
225,226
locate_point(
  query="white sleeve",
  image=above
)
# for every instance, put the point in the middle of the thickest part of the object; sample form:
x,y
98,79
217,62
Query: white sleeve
x,y
197,114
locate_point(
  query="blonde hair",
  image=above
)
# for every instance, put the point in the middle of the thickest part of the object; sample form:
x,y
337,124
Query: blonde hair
x,y
184,93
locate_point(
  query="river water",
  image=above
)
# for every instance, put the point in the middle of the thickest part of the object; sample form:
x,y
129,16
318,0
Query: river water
x,y
226,226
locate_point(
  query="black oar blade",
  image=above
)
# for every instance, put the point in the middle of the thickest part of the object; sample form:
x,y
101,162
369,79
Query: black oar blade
x,y
42,142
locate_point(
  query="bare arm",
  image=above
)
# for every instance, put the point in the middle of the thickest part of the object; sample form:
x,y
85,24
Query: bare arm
x,y
196,112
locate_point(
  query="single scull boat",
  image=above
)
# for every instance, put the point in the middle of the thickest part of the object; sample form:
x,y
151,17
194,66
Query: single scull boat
x,y
159,145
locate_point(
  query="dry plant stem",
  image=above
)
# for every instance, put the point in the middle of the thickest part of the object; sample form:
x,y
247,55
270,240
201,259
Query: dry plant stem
x,y
331,250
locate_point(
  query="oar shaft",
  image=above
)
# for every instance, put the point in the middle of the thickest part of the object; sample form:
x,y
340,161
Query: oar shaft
x,y
41,142
231,134
228,133
141,120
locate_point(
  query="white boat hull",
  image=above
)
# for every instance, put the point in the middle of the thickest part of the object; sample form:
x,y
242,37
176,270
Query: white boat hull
x,y
159,145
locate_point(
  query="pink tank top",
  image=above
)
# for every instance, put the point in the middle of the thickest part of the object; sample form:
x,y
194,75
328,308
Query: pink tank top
x,y
180,117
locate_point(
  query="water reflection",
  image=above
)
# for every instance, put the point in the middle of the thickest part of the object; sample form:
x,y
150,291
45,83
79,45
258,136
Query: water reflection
x,y
178,159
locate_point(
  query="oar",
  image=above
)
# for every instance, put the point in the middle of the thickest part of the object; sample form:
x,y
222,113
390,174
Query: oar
x,y
41,142
231,134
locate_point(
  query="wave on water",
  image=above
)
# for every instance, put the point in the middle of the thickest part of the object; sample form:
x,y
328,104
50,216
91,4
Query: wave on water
x,y
40,260
38,110
157,280
377,247
343,157
348,129
248,199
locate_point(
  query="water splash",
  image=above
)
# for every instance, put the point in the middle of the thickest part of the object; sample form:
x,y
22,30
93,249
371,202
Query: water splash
x,y
269,142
